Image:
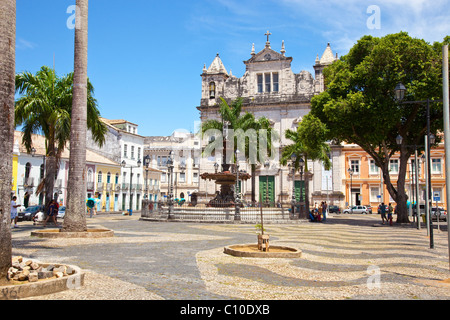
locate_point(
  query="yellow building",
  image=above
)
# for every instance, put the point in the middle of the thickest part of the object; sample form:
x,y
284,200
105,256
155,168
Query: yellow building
x,y
107,177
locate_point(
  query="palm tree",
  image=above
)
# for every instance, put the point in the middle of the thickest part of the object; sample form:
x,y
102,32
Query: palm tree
x,y
237,121
75,219
306,145
45,107
7,70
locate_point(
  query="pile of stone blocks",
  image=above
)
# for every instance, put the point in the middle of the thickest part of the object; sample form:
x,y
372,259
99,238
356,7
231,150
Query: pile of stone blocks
x,y
32,271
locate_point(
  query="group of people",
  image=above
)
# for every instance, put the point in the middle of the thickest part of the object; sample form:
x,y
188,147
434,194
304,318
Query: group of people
x,y
52,213
316,214
382,210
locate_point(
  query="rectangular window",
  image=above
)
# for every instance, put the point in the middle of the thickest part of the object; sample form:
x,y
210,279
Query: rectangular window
x,y
195,177
436,166
163,177
373,168
393,166
260,83
139,153
267,82
132,152
275,82
374,193
125,147
182,177
354,164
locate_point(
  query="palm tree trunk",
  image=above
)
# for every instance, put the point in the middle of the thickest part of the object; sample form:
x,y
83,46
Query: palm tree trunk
x,y
75,219
7,91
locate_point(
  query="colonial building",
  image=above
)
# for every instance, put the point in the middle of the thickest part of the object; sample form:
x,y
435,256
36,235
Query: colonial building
x,y
125,146
365,186
270,88
30,170
185,148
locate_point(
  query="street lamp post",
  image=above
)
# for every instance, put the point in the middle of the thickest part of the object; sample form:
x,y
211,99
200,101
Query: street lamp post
x,y
237,211
350,172
293,159
399,140
146,164
267,165
301,164
124,163
400,91
170,167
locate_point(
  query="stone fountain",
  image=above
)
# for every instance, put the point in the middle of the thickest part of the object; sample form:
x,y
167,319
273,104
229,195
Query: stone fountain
x,y
225,179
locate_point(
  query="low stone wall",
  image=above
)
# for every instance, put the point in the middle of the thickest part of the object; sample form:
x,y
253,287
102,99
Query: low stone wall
x,y
47,278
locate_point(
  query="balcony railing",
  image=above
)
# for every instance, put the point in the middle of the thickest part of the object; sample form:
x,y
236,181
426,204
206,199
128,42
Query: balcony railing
x,y
28,182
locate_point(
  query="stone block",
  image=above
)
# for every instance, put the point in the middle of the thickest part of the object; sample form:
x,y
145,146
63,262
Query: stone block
x,y
45,274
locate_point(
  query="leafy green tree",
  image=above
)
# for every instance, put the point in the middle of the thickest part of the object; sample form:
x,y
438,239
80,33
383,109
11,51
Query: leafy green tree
x,y
245,121
309,142
359,104
44,106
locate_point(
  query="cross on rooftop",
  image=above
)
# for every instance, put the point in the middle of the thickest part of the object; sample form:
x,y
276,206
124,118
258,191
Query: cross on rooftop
x,y
268,34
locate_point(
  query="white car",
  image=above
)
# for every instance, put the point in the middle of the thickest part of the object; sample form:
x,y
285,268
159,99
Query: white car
x,y
61,212
442,214
357,209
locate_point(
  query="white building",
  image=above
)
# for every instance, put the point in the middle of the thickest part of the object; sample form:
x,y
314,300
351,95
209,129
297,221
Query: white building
x,y
186,156
125,146
270,88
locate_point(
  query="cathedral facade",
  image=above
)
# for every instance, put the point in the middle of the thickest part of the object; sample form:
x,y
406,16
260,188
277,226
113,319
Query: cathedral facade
x,y
269,88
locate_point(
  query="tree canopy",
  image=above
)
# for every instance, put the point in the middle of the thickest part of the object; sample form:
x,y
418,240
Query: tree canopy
x,y
359,106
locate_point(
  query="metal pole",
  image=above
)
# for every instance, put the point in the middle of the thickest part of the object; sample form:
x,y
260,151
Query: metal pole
x,y
416,169
425,170
428,198
445,85
130,210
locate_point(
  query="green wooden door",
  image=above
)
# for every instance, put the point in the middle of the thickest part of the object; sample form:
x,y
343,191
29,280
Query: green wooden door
x,y
267,188
300,185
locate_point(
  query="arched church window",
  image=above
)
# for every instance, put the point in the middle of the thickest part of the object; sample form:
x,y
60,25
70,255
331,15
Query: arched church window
x,y
212,90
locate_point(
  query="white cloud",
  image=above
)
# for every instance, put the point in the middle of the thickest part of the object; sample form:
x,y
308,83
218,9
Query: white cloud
x,y
24,44
343,22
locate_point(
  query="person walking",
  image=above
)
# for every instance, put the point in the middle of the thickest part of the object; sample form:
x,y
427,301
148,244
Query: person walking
x,y
52,212
383,212
391,209
324,210
14,214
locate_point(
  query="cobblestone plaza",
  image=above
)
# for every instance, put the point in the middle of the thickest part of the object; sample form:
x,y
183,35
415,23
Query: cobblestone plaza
x,y
347,257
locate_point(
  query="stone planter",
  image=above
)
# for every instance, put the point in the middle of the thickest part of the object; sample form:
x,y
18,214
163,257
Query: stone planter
x,y
252,251
90,233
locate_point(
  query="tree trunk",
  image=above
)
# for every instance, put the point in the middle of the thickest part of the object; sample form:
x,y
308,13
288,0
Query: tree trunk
x,y
399,194
7,91
75,219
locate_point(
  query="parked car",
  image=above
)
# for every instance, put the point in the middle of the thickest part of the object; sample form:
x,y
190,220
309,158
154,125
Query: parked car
x,y
334,209
357,209
29,213
61,212
442,214
369,207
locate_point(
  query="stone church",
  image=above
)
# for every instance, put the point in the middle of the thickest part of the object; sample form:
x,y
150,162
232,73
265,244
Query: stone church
x,y
270,88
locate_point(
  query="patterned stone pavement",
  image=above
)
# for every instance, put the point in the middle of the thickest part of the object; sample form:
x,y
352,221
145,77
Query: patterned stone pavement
x,y
347,257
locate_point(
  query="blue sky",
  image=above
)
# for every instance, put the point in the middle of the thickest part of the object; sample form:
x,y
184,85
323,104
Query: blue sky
x,y
146,56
